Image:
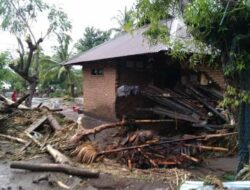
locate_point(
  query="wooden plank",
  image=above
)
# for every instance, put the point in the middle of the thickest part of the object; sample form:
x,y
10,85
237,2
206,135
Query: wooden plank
x,y
36,124
208,106
175,115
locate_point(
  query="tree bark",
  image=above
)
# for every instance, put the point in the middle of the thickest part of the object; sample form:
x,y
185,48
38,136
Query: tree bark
x,y
32,90
72,90
244,121
53,122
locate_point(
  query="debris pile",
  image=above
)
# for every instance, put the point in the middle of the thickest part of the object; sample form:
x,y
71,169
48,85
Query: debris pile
x,y
35,131
194,104
43,130
207,131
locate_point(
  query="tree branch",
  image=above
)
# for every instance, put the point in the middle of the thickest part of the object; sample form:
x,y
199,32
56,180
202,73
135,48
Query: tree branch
x,y
22,73
24,20
21,52
32,48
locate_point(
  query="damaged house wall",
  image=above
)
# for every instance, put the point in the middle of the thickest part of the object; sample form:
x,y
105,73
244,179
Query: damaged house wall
x,y
99,91
112,87
133,74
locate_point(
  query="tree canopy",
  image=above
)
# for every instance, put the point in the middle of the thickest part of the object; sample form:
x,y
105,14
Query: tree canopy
x,y
91,38
221,26
18,17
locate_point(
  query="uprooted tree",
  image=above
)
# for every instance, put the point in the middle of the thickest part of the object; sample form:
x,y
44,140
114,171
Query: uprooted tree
x,y
19,18
222,28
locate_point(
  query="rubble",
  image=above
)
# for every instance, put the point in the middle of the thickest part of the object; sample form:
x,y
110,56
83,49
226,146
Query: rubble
x,y
195,129
193,108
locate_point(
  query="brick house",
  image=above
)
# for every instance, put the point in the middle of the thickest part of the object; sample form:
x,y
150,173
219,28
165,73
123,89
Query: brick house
x,y
128,63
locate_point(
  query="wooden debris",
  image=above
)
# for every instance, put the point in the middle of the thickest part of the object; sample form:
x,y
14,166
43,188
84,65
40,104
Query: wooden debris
x,y
16,139
58,156
62,185
52,110
19,101
36,124
206,104
85,132
193,159
53,122
70,170
39,105
9,104
33,139
25,146
157,144
209,148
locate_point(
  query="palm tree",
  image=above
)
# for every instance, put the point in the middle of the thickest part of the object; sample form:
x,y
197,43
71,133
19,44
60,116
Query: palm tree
x,y
53,72
125,19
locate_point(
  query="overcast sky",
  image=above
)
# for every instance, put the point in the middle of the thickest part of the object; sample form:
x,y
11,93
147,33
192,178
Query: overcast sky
x,y
82,13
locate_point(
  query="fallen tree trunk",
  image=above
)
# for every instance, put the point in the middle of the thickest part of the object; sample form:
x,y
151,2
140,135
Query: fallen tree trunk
x,y
10,104
76,171
84,132
58,156
19,101
53,122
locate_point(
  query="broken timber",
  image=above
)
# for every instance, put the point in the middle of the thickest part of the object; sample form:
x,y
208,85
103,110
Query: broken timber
x,y
10,104
208,106
203,137
13,138
58,156
76,171
53,122
84,132
36,124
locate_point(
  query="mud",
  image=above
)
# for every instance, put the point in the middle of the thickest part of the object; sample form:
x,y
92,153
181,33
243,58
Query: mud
x,y
20,179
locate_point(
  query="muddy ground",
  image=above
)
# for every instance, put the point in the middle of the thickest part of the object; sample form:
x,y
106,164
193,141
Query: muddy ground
x,y
113,175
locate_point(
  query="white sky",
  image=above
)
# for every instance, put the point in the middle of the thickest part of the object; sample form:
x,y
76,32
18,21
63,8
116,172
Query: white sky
x,y
82,13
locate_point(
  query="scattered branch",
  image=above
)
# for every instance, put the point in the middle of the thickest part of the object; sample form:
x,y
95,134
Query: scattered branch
x,y
76,171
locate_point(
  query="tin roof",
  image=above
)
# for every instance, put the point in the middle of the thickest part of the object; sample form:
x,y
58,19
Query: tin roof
x,y
127,45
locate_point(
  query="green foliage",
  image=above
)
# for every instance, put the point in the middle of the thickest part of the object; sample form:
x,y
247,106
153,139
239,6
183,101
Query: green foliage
x,y
19,17
15,14
59,22
54,74
7,76
219,28
91,38
126,20
157,32
223,26
233,97
151,12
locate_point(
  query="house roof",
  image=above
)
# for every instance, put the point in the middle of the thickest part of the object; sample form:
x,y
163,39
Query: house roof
x,y
128,45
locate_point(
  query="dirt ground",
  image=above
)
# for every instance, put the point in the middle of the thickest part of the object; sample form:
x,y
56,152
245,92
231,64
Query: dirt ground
x,y
113,175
